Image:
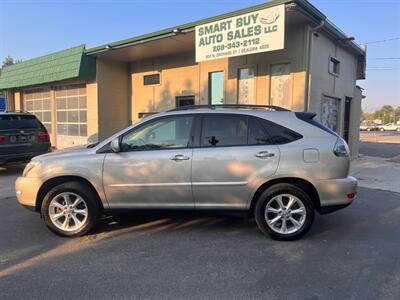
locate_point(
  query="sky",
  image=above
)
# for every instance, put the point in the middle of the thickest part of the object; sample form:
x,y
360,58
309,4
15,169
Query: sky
x,y
30,28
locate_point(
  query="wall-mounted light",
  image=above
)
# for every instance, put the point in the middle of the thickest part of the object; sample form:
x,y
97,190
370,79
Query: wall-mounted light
x,y
108,47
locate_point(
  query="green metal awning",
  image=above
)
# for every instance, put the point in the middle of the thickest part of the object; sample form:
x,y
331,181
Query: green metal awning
x,y
66,64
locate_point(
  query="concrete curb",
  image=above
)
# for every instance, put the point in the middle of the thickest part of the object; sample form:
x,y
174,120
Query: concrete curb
x,y
376,173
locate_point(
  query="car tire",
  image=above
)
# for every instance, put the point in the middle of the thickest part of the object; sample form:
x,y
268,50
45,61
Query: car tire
x,y
267,201
65,219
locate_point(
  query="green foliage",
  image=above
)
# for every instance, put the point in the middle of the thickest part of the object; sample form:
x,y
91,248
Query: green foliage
x,y
386,113
8,61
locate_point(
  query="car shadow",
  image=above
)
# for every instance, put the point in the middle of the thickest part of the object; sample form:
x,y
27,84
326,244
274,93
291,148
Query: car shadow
x,y
224,223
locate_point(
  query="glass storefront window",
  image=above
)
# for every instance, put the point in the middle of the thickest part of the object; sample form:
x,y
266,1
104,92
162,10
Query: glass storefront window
x,y
246,86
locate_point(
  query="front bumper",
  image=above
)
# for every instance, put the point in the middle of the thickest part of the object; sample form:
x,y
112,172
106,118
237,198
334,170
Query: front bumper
x,y
27,189
333,193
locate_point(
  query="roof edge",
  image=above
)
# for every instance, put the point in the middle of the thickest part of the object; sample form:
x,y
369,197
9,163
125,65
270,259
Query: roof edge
x,y
168,31
310,9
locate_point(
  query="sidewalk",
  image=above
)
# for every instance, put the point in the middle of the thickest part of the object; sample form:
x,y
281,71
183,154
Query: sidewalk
x,y
376,173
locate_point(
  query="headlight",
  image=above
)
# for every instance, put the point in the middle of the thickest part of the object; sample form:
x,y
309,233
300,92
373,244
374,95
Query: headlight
x,y
341,149
29,167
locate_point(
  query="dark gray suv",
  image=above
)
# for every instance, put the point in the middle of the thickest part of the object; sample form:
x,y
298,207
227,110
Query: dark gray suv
x,y
22,137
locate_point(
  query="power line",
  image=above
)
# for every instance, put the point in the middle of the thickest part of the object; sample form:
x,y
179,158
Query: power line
x,y
383,41
382,58
383,69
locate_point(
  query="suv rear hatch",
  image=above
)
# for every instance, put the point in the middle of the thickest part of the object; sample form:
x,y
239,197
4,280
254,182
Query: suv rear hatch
x,y
22,133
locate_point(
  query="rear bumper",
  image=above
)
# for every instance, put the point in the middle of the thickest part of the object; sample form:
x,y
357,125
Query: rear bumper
x,y
334,193
20,157
27,189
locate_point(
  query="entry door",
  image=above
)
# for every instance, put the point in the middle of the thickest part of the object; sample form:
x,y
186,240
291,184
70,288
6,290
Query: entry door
x,y
346,125
216,87
234,157
153,168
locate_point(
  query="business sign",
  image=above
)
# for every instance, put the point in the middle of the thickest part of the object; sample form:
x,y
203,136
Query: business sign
x,y
255,32
2,103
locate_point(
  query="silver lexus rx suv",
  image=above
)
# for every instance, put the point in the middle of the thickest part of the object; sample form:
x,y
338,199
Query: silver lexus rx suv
x,y
276,165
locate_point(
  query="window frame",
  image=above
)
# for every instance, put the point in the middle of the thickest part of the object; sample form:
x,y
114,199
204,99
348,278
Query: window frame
x,y
334,60
152,74
140,126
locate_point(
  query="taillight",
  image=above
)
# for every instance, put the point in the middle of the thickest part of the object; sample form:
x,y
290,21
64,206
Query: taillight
x,y
2,138
341,149
351,196
44,136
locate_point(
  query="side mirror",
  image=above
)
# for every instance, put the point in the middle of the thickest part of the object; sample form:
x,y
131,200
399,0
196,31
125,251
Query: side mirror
x,y
115,145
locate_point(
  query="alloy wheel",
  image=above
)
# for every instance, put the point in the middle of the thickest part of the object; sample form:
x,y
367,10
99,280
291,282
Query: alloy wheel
x,y
68,211
285,214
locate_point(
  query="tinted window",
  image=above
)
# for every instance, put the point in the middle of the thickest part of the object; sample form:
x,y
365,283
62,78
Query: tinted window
x,y
19,122
165,133
257,134
224,130
280,134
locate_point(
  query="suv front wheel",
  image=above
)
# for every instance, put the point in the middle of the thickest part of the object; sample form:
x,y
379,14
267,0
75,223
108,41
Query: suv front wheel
x,y
70,209
284,211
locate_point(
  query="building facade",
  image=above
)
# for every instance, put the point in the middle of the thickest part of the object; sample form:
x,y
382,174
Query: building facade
x,y
87,94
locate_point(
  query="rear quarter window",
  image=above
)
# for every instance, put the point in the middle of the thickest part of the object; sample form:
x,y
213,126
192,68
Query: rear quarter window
x,y
279,134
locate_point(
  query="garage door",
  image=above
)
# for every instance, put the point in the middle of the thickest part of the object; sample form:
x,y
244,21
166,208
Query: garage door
x,y
71,111
38,102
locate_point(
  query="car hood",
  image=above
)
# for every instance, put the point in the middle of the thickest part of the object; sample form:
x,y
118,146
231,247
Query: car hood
x,y
73,151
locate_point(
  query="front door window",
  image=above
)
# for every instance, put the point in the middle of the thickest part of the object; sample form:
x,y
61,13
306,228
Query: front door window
x,y
165,133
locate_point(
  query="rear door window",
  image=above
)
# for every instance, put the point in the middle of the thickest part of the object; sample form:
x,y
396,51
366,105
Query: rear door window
x,y
19,122
223,130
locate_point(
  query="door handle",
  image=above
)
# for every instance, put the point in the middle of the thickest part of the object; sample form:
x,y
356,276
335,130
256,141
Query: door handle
x,y
180,157
264,154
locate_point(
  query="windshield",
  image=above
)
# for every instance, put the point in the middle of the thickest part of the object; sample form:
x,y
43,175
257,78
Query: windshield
x,y
19,122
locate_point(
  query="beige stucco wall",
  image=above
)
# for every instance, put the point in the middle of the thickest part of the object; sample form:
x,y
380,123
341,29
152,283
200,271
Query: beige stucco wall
x,y
323,83
113,89
181,75
92,111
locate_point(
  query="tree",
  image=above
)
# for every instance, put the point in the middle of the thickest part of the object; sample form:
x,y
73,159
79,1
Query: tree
x,y
8,61
397,113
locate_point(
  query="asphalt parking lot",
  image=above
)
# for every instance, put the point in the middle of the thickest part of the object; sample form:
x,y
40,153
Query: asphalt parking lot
x,y
353,253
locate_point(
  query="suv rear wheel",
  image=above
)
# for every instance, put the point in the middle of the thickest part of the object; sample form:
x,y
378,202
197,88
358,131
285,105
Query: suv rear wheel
x,y
70,209
284,211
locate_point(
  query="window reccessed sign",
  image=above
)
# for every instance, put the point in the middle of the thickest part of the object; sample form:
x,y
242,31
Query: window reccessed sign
x,y
255,32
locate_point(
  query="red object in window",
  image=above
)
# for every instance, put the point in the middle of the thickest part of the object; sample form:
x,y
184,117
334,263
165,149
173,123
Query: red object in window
x,y
44,136
351,196
2,138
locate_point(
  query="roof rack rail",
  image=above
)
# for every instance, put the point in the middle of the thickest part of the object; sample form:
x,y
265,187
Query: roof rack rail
x,y
215,106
